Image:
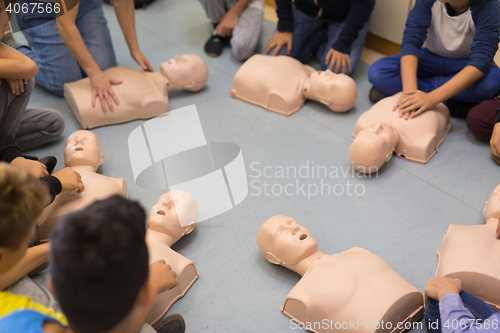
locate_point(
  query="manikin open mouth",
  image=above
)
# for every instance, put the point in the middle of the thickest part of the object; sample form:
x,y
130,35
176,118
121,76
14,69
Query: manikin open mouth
x,y
161,212
79,149
303,236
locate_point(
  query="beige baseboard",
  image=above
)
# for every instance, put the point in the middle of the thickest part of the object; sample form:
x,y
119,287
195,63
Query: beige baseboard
x,y
381,45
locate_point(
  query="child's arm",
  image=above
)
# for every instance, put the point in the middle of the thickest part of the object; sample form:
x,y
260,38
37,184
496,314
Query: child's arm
x,y
35,256
15,65
414,102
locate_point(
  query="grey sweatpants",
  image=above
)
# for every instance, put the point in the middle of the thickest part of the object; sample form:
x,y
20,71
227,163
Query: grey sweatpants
x,y
38,293
30,127
248,30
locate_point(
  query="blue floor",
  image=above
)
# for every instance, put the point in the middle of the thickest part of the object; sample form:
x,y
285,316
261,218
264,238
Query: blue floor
x,y
401,215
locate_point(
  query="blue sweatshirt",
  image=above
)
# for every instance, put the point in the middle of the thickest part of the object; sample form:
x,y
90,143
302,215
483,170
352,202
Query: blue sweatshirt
x,y
480,24
355,13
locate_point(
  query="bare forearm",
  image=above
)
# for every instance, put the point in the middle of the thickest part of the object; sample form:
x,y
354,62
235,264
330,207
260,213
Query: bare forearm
x,y
35,256
461,81
15,65
239,7
125,14
409,65
74,41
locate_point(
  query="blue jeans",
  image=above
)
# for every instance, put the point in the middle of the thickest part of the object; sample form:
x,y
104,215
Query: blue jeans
x,y
433,71
56,64
477,307
313,35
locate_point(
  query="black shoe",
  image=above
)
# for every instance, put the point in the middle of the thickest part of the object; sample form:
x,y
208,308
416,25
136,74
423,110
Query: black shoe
x,y
171,324
214,45
459,109
376,95
49,162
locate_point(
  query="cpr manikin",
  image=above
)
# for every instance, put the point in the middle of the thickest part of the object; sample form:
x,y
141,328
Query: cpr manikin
x,y
83,153
472,254
142,95
163,231
344,287
282,84
380,131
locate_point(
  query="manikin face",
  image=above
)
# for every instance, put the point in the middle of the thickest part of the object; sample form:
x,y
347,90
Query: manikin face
x,y
172,208
286,240
9,258
188,71
4,23
492,207
330,87
83,148
372,147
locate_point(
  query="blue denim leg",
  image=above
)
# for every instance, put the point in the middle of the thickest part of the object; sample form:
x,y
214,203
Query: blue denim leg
x,y
478,308
433,71
309,33
334,30
56,64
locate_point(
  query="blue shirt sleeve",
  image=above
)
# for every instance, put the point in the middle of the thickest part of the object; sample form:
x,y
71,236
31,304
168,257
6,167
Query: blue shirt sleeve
x,y
456,318
285,15
417,25
358,16
486,16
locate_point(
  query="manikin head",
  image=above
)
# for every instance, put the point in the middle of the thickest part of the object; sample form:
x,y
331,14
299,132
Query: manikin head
x,y
173,209
282,241
492,206
337,91
188,72
83,148
372,147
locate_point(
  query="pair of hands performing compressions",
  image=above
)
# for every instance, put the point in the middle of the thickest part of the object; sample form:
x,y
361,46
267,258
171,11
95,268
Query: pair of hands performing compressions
x,y
100,82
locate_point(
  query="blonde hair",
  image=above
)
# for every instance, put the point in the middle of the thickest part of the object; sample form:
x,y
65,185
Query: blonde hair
x,y
22,200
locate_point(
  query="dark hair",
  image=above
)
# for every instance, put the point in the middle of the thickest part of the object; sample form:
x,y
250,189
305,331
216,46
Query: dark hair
x,y
22,200
99,262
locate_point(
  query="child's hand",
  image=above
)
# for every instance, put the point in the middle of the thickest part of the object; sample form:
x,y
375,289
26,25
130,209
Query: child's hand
x,y
414,103
436,288
162,276
226,25
101,83
341,61
16,85
36,168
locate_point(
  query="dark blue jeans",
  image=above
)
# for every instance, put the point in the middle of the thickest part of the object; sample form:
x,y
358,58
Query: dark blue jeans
x,y
55,62
316,36
433,71
477,307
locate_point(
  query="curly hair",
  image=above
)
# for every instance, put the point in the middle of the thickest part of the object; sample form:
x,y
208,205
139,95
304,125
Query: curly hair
x,y
22,200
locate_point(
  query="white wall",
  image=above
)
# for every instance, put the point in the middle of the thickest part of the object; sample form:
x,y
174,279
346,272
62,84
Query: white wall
x,y
388,19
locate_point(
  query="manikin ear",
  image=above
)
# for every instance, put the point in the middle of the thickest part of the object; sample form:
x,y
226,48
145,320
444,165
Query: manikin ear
x,y
484,209
189,229
272,258
189,85
325,100
101,159
388,157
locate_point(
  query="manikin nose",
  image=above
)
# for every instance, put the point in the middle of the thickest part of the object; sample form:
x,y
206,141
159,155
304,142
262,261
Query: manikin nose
x,y
177,58
293,229
378,128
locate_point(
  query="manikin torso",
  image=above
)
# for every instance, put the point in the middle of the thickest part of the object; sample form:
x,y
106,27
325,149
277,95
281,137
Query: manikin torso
x,y
359,285
142,95
472,254
159,242
419,136
274,83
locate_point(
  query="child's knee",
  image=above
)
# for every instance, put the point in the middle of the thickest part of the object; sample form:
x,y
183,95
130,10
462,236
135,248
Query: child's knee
x,y
241,50
477,124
